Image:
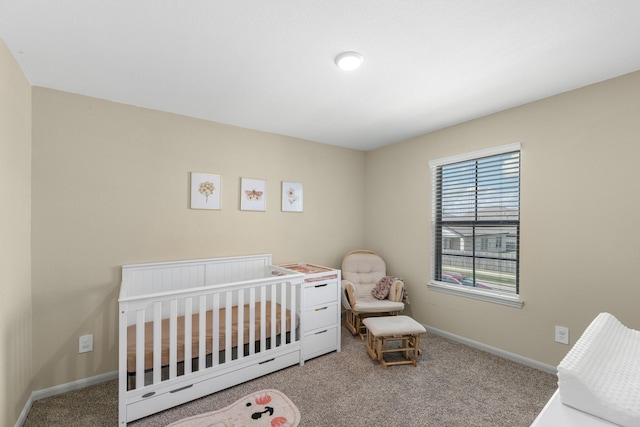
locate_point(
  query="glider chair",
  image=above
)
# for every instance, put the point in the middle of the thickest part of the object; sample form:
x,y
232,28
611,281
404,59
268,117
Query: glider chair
x,y
363,275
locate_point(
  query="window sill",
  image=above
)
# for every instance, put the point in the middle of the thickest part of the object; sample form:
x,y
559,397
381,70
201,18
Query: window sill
x,y
479,294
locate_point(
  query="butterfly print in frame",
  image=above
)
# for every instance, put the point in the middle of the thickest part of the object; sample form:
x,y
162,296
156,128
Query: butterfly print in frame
x,y
253,194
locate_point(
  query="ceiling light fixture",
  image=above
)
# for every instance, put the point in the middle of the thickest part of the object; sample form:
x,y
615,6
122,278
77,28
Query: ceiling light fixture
x,y
348,61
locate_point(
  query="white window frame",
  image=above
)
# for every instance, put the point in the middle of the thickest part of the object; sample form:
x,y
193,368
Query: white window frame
x,y
511,300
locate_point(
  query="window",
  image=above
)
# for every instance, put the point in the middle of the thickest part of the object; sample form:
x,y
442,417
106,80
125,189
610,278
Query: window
x,y
476,201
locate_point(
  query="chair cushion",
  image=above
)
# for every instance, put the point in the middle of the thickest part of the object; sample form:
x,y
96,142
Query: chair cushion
x,y
363,268
369,304
389,326
363,290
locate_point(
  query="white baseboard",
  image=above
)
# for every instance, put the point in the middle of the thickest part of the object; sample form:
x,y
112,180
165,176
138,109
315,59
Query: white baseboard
x,y
493,350
62,388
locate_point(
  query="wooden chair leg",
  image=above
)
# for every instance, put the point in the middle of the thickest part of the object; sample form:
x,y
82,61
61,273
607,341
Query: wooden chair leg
x,y
350,322
406,342
416,346
371,347
380,345
362,329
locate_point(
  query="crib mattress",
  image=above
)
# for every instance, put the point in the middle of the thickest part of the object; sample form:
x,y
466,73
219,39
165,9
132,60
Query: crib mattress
x,y
195,336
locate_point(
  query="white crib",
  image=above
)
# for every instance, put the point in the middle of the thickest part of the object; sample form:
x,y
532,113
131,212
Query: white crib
x,y
169,354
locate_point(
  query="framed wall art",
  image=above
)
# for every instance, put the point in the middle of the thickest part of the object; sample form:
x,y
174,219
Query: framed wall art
x,y
291,196
205,191
253,194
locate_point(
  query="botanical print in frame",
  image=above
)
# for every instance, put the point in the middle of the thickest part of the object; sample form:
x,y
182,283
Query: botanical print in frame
x,y
253,194
205,191
291,196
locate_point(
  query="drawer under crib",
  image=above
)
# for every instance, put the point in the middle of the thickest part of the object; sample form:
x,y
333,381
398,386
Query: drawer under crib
x,y
166,395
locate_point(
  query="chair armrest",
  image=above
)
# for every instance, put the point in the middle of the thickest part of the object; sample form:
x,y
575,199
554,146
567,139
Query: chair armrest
x,y
348,294
395,293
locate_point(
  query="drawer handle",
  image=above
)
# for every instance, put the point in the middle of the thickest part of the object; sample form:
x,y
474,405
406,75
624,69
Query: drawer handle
x,y
267,361
181,388
320,286
320,309
148,394
321,332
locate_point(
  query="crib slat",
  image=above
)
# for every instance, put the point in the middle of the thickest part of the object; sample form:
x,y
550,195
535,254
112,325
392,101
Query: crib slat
x,y
188,309
283,313
274,318
202,323
173,339
263,317
228,331
292,335
215,320
157,342
140,348
240,324
252,320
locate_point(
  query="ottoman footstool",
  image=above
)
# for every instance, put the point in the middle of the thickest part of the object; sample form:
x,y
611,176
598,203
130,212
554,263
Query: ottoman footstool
x,y
390,329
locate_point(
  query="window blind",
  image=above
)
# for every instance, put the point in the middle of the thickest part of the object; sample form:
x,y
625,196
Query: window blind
x,y
476,208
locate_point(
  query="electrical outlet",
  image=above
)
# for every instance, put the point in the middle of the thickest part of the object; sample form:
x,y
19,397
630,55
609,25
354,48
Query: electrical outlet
x,y
562,334
85,344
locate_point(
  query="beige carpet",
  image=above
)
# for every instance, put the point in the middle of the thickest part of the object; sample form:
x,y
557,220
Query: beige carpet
x,y
453,385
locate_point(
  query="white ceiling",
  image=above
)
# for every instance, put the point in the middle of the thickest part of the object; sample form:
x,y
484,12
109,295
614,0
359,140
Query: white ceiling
x,y
268,64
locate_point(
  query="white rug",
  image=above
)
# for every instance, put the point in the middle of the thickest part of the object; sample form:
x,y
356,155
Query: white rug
x,y
266,408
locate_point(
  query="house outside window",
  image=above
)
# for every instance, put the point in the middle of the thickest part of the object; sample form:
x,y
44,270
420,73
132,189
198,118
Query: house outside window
x,y
476,204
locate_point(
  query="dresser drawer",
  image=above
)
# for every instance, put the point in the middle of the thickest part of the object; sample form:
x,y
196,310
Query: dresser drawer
x,y
320,293
326,315
319,342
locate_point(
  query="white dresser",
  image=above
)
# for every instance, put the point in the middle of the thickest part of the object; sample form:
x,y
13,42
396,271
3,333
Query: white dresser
x,y
319,309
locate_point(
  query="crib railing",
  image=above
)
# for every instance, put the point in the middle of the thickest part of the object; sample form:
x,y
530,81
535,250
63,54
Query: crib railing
x,y
265,304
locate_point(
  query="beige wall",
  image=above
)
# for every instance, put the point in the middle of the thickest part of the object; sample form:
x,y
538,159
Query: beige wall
x,y
580,202
111,187
15,239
